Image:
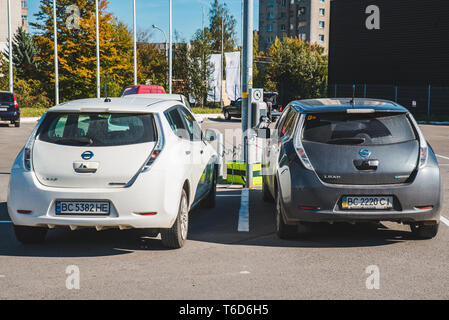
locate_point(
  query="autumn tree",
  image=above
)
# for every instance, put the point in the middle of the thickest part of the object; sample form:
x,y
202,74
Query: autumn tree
x,y
219,13
77,48
297,69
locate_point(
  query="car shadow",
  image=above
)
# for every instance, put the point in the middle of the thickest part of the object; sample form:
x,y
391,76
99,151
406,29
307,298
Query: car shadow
x,y
224,120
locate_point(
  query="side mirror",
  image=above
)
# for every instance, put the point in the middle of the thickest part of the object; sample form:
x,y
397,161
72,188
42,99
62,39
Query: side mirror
x,y
210,135
263,133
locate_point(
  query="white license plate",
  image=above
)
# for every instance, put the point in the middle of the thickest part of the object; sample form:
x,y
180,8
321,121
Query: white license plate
x,y
3,109
377,203
77,207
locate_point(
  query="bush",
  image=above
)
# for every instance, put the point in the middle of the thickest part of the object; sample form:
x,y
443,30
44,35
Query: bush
x,y
29,94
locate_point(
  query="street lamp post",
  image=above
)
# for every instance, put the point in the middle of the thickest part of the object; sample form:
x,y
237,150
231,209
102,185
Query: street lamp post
x,y
165,44
55,30
11,75
135,41
170,58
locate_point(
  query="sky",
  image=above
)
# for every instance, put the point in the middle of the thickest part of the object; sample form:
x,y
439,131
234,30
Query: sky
x,y
187,15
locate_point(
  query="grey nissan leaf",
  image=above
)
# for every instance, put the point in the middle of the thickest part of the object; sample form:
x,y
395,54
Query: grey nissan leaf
x,y
351,160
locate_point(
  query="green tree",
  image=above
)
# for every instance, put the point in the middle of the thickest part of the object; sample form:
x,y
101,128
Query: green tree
x,y
297,69
181,65
77,49
218,14
25,50
4,74
199,66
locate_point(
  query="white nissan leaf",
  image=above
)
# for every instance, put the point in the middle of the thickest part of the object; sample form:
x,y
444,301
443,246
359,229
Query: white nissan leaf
x,y
120,163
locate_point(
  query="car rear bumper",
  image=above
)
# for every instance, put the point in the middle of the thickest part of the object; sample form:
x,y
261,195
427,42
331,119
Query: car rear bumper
x,y
126,204
308,190
9,116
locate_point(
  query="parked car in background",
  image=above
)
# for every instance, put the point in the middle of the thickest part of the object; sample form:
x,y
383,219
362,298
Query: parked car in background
x,y
143,89
235,108
9,108
117,163
344,160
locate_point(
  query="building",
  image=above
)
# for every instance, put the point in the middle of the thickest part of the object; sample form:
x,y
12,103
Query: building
x,y
19,17
306,19
397,50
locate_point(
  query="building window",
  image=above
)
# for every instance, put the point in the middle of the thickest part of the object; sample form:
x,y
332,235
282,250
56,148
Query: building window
x,y
322,1
24,19
283,27
284,3
270,15
302,36
322,24
302,24
321,37
282,14
301,11
24,4
270,28
292,27
322,12
270,4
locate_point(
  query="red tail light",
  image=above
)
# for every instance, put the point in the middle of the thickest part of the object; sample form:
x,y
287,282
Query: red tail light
x,y
425,207
16,105
308,208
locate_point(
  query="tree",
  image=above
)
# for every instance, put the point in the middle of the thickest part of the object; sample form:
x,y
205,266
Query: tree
x,y
199,66
219,13
152,64
297,69
4,74
181,65
25,50
77,48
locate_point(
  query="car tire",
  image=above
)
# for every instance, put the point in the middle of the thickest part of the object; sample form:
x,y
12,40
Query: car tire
x,y
210,200
17,124
30,235
424,231
283,230
266,195
227,115
176,236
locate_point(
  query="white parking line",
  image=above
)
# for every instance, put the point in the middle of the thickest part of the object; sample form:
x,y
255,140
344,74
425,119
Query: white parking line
x,y
444,157
444,220
244,212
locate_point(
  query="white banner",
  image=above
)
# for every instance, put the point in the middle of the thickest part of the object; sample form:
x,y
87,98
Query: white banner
x,y
214,81
233,75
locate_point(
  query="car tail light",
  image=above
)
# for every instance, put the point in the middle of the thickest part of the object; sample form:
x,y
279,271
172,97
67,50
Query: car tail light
x,y
28,149
424,207
308,208
423,147
158,147
24,211
146,213
16,105
299,147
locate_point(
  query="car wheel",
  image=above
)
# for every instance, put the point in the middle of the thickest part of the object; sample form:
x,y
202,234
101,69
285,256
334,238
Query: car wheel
x,y
30,235
176,236
267,197
424,231
209,201
17,124
227,115
283,230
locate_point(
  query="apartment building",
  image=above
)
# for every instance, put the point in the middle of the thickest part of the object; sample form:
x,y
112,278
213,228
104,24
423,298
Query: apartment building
x,y
306,19
19,17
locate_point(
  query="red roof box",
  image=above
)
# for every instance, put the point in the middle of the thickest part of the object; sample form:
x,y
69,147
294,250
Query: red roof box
x,y
143,89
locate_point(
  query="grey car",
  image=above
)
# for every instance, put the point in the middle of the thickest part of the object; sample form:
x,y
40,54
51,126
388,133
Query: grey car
x,y
351,160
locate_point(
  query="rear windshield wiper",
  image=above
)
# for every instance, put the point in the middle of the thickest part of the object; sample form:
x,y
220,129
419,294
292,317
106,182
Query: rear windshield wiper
x,y
81,141
354,141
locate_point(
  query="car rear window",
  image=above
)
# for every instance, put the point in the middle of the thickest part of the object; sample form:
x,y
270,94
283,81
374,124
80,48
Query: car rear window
x,y
6,97
97,129
358,129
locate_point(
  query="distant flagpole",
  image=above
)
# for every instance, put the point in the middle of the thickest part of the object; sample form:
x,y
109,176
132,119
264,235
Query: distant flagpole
x,y
135,42
55,31
98,48
170,58
11,67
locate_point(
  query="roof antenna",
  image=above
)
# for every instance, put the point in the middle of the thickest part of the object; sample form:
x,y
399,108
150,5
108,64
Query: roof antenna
x,y
353,96
106,92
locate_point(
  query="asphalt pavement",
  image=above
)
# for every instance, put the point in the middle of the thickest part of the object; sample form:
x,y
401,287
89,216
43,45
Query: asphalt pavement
x,y
218,261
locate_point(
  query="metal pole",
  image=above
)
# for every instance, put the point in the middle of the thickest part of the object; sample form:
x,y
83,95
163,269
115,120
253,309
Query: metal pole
x,y
11,66
55,31
135,42
98,48
222,52
170,57
247,80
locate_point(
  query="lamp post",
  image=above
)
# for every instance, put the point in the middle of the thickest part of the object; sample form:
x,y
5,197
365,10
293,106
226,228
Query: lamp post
x,y
170,58
165,45
11,75
135,42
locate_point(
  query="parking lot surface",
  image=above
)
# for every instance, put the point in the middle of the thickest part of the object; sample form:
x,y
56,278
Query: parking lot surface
x,y
218,261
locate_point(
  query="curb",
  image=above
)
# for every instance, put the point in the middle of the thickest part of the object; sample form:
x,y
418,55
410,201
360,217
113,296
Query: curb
x,y
29,119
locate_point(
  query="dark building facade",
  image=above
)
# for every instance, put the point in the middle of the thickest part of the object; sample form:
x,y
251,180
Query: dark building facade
x,y
389,47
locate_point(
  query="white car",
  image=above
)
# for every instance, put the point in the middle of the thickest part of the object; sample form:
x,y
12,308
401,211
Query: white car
x,y
161,96
141,163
